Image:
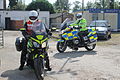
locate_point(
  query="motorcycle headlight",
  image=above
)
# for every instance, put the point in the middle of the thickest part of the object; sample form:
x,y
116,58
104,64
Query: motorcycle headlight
x,y
62,31
36,44
104,32
44,45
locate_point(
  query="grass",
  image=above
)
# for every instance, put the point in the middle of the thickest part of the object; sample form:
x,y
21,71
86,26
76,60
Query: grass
x,y
115,40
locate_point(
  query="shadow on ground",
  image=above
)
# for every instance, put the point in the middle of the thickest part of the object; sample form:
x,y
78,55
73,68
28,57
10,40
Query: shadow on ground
x,y
73,54
27,74
68,56
103,40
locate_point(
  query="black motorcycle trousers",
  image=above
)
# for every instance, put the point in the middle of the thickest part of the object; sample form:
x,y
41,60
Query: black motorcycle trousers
x,y
82,34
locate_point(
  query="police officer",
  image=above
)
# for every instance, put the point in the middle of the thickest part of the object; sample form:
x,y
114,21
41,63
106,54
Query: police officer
x,y
80,24
33,18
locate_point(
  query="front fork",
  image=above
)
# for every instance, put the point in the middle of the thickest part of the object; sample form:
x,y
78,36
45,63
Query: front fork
x,y
44,56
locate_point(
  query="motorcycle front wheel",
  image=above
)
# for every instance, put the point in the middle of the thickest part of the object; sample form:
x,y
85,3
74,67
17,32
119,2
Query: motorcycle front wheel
x,y
39,68
61,46
90,47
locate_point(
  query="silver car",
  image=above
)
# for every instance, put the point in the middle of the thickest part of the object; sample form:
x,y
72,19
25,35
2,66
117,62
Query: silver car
x,y
102,27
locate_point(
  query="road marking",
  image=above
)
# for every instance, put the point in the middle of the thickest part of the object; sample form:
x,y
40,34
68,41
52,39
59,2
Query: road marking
x,y
64,65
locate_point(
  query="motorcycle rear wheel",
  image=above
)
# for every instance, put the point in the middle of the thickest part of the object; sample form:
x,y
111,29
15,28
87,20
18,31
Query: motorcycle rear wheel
x,y
90,47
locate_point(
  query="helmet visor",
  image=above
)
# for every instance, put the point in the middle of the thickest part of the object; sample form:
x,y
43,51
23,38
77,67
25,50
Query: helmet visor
x,y
79,16
33,18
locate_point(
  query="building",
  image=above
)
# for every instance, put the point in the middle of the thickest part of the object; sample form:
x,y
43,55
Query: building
x,y
2,4
57,18
112,15
16,19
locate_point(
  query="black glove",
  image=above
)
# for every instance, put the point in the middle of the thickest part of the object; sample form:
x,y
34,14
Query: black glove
x,y
77,27
49,33
27,36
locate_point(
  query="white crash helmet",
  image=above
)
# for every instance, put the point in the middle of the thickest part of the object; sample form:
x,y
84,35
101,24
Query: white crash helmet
x,y
79,15
33,15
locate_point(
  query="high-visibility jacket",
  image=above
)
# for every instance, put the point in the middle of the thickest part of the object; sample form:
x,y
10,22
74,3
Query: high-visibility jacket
x,y
80,23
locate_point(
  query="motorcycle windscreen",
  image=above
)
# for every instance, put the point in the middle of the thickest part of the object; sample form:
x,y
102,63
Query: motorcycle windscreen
x,y
64,24
39,30
39,27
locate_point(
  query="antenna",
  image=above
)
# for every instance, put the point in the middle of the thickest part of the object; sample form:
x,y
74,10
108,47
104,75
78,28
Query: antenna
x,y
4,4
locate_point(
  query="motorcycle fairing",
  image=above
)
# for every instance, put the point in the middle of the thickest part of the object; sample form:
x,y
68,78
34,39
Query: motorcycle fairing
x,y
39,41
37,55
92,35
70,35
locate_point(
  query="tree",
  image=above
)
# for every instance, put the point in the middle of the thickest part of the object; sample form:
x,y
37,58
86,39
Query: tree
x,y
16,5
61,5
40,0
90,5
77,6
12,3
111,3
19,6
102,4
43,5
117,5
98,5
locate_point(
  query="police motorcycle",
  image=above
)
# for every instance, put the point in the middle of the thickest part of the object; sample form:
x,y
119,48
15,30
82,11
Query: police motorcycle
x,y
37,47
69,38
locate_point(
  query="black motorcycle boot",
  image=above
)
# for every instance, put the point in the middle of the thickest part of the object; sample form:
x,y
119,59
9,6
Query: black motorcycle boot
x,y
75,49
49,69
21,67
47,64
22,61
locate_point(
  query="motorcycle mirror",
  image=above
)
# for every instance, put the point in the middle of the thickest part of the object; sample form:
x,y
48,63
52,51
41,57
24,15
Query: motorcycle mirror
x,y
50,33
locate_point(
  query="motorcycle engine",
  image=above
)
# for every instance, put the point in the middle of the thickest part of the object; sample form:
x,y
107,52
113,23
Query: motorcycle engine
x,y
76,41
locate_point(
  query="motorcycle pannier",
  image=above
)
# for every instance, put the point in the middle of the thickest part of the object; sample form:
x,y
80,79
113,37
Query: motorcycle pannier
x,y
19,43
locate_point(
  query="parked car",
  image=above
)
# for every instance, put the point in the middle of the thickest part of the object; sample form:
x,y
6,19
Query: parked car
x,y
102,27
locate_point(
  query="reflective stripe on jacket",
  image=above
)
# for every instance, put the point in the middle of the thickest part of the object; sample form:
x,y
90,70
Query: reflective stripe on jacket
x,y
29,26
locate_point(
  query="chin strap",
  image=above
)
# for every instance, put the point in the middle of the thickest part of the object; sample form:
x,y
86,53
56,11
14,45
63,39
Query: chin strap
x,y
79,18
33,20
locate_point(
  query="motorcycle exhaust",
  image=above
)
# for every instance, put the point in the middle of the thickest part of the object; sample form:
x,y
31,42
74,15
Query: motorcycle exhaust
x,y
76,41
92,43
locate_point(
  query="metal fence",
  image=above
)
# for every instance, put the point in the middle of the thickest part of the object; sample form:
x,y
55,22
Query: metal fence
x,y
1,37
